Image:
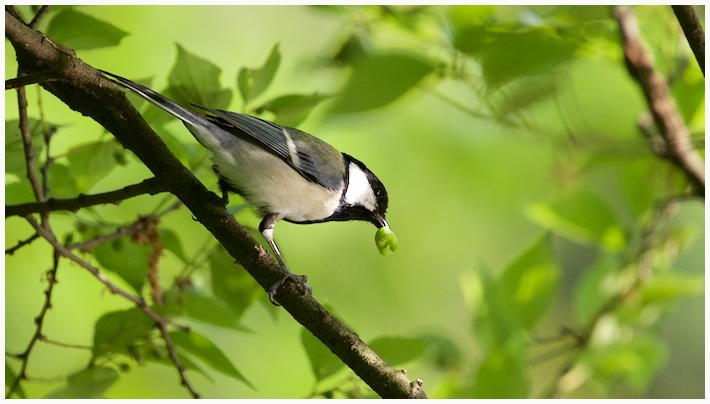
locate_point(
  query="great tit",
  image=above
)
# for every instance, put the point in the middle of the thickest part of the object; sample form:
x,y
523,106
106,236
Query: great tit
x,y
283,172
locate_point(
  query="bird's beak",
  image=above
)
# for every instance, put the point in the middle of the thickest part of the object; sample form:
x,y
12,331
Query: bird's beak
x,y
380,221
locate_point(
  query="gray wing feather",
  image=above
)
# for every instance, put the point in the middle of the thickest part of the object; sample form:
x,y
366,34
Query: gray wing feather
x,y
311,157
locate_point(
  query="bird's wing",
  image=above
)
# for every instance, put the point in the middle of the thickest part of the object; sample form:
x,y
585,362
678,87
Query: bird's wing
x,y
311,157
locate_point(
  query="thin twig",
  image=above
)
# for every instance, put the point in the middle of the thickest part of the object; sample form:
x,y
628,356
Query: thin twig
x,y
150,186
39,322
660,102
38,16
24,123
176,361
693,31
64,344
32,78
90,244
136,227
48,133
21,243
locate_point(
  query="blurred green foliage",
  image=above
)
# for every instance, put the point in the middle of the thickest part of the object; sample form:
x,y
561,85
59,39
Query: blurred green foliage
x,y
545,250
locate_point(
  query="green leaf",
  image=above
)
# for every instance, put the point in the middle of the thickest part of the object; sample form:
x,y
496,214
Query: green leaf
x,y
595,287
127,259
115,332
324,363
183,151
634,362
253,82
231,283
522,93
380,79
202,348
159,354
62,183
689,93
583,217
501,375
292,109
201,307
528,285
10,377
353,49
80,31
668,288
196,80
89,163
508,54
398,350
19,192
15,152
192,80
442,351
170,240
89,383
493,321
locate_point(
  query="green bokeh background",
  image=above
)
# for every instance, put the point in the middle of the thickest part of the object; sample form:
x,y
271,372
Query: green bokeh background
x,y
459,191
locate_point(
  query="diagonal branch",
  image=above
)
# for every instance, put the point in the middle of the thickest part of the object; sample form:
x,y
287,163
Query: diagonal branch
x,y
84,90
693,31
137,300
160,321
662,106
21,243
38,16
150,186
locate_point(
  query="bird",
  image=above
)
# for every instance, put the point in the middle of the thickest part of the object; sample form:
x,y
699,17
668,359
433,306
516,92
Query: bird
x,y
285,173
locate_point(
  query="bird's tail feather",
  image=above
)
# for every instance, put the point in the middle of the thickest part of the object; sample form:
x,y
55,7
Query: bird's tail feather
x,y
199,126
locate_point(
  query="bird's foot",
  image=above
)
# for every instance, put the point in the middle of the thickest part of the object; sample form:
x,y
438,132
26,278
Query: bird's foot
x,y
300,279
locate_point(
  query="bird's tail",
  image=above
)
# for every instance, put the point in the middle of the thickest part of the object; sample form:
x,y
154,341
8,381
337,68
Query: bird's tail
x,y
198,126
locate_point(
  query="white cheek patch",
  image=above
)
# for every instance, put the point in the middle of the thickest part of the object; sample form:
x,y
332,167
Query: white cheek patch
x,y
359,190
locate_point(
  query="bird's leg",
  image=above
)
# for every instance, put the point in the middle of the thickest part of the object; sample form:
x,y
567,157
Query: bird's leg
x,y
223,186
266,227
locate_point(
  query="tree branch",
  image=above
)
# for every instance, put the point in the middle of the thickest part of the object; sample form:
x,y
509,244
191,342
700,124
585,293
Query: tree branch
x,y
38,16
39,323
24,123
150,186
693,31
172,353
84,90
37,77
63,250
21,243
662,106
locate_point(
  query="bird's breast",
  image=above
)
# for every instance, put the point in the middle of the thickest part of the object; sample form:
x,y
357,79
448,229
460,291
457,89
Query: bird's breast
x,y
272,186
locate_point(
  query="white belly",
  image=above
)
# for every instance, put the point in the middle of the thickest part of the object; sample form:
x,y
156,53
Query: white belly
x,y
272,186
